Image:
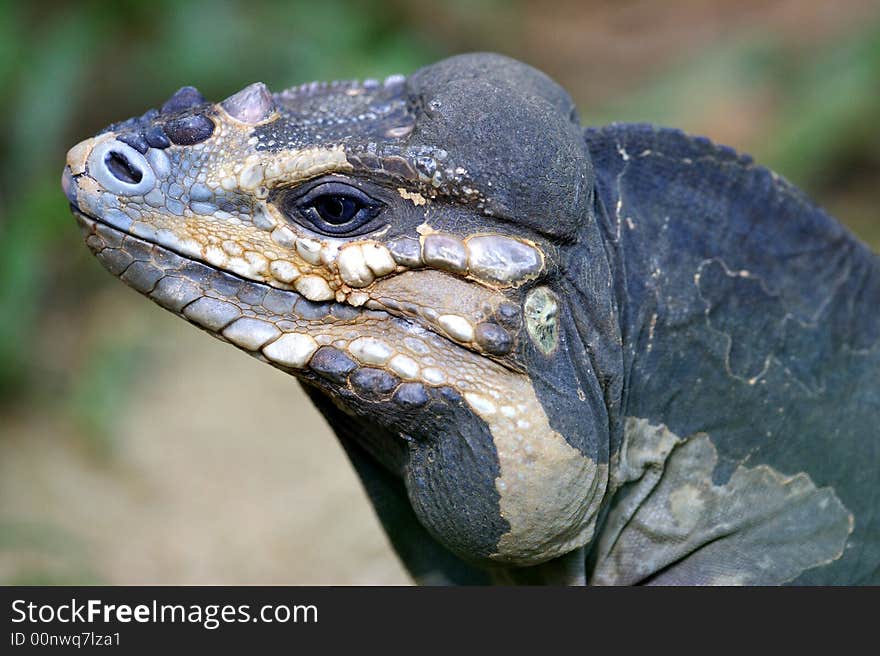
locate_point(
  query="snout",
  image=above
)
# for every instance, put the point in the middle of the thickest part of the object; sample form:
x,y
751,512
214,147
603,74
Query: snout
x,y
68,185
108,179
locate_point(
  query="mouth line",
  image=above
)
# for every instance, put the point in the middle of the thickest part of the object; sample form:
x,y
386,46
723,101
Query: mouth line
x,y
80,214
412,321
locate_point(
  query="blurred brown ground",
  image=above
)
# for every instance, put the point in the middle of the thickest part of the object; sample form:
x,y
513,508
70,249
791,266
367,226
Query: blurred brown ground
x,y
224,474
218,470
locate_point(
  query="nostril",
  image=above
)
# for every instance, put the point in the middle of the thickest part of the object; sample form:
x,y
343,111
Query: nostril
x,y
121,168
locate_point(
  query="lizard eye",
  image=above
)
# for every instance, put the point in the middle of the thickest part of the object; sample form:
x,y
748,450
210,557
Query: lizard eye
x,y
334,208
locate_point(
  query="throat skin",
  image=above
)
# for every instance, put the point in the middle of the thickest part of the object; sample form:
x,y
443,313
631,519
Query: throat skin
x,y
746,315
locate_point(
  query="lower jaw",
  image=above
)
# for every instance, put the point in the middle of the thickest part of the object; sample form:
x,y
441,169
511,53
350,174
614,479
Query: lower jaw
x,y
314,341
203,295
281,327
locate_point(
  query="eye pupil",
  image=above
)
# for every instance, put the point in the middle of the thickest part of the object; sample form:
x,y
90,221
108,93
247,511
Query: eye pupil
x,y
337,209
330,208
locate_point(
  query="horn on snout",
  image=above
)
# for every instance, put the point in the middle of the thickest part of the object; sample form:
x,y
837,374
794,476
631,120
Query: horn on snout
x,y
251,105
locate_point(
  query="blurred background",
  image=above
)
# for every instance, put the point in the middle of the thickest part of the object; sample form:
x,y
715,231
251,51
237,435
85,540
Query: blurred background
x,y
133,448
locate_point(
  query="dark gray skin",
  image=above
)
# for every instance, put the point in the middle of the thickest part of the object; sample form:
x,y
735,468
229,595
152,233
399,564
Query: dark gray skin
x,y
712,361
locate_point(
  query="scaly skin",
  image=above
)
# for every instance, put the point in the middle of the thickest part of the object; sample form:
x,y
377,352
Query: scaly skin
x,y
467,333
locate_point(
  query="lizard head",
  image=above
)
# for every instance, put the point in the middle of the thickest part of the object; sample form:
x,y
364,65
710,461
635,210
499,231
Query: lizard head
x,y
398,247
